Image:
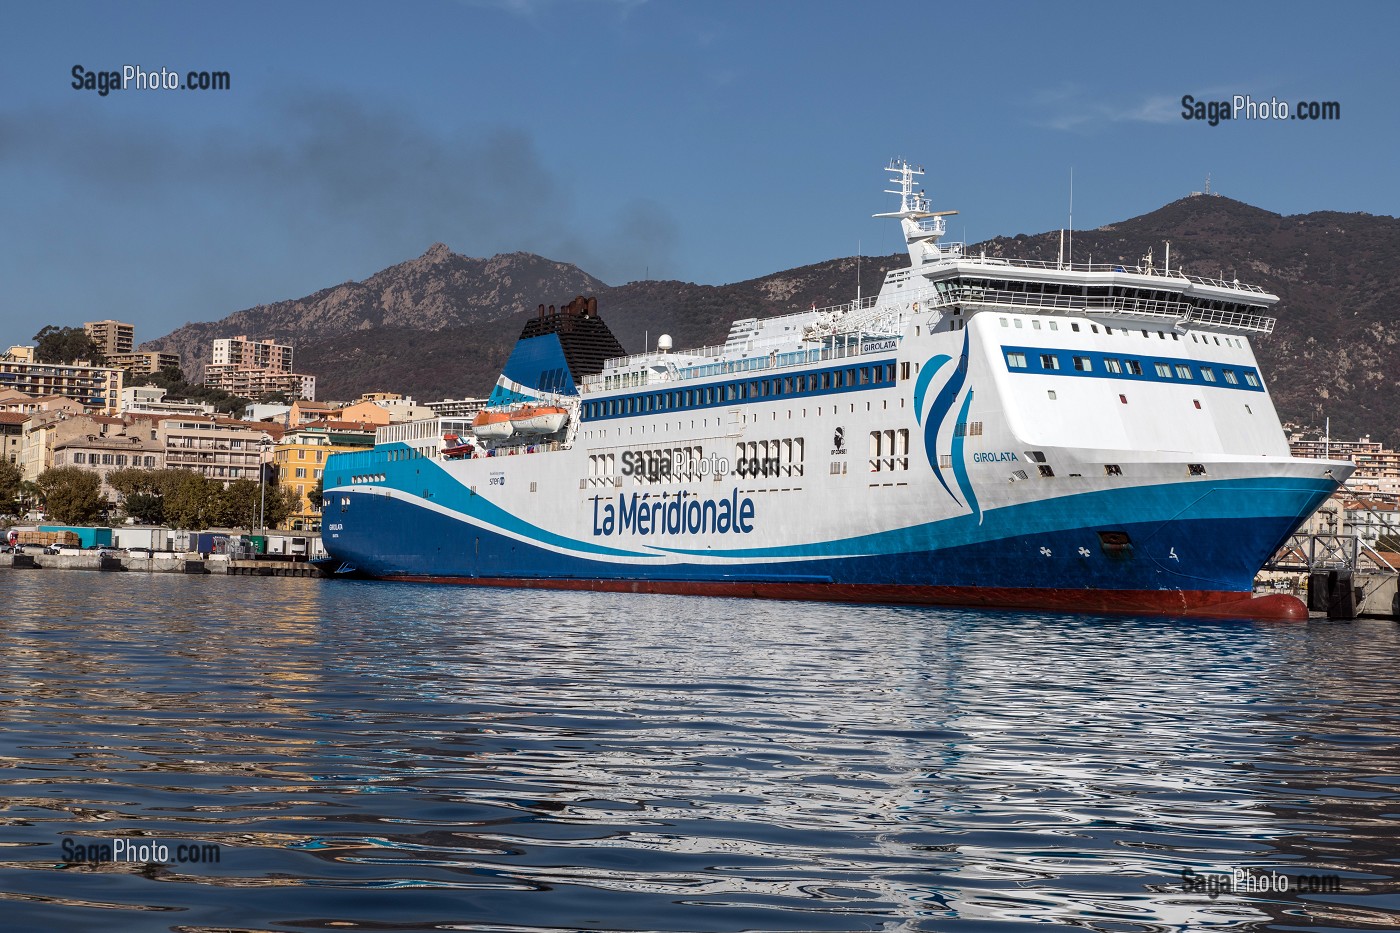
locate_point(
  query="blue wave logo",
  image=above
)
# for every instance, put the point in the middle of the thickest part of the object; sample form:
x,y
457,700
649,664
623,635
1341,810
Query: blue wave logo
x,y
938,416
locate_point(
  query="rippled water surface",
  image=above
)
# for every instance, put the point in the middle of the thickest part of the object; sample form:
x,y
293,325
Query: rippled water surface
x,y
374,756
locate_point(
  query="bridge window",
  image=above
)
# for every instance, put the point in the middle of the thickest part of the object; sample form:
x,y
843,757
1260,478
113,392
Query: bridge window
x,y
1207,374
1183,371
1134,367
1015,360
1230,377
1251,379
1163,370
1112,365
1049,361
1083,364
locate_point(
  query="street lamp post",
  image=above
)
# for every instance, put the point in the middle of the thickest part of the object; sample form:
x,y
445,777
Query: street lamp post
x,y
264,446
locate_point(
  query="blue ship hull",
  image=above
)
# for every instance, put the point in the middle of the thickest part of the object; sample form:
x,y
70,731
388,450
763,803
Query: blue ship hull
x,y
1193,548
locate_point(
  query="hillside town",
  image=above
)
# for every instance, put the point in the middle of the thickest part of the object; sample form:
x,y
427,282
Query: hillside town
x,y
98,421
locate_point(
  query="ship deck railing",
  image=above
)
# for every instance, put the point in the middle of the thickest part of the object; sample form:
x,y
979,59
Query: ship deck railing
x,y
1118,267
718,350
1183,312
839,347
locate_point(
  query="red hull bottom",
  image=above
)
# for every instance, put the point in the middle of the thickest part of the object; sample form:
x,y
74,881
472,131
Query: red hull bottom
x,y
1209,604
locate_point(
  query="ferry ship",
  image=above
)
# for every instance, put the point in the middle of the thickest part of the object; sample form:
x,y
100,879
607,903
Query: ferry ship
x,y
983,432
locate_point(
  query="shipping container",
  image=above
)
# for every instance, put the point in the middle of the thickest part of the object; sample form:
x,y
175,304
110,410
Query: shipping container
x,y
288,545
155,538
210,542
87,537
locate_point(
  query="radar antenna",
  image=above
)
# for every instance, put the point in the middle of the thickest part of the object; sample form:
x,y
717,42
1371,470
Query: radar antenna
x,y
922,226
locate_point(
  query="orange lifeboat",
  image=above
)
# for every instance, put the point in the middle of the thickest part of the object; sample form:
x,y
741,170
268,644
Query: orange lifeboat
x,y
539,419
492,425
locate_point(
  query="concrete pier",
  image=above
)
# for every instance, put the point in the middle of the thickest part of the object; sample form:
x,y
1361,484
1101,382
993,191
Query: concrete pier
x,y
157,563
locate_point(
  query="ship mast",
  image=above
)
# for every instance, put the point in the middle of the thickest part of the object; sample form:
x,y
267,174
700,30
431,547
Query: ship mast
x,y
922,226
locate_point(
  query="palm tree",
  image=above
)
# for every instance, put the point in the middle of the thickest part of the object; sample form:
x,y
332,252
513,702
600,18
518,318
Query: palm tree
x,y
30,496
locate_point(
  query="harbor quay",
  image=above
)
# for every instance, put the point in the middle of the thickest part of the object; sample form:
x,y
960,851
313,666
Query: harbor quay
x,y
186,563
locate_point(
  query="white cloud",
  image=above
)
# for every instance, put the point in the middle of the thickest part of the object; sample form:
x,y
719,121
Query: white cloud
x,y
1072,107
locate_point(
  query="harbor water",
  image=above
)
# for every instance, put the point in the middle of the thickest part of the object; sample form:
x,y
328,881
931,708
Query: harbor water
x,y
231,753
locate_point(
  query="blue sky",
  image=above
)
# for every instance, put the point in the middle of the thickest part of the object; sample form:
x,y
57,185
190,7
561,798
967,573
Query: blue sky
x,y
711,142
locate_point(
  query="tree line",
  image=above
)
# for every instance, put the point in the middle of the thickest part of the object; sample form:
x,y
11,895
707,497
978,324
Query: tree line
x,y
178,498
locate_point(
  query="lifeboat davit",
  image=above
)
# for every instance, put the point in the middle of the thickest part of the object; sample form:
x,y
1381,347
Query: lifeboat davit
x,y
539,419
493,425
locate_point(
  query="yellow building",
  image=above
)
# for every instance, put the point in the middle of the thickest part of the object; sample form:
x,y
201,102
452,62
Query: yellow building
x,y
301,462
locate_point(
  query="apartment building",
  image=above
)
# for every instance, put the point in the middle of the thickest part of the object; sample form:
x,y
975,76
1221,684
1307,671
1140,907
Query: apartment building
x,y
12,425
144,362
46,433
96,388
220,448
256,383
455,407
151,400
111,337
132,446
1377,467
256,368
301,459
252,354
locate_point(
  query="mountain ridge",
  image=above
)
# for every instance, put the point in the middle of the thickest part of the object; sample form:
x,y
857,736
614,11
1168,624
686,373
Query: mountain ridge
x,y
442,324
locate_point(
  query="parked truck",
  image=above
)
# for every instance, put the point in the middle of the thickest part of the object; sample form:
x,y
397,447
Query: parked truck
x,y
147,536
88,537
